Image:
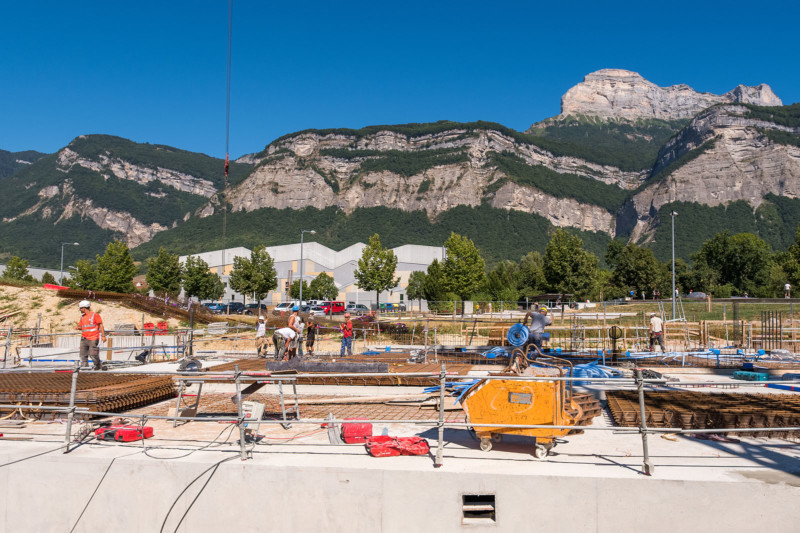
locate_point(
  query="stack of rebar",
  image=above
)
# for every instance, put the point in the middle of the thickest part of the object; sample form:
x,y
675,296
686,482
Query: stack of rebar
x,y
99,392
695,410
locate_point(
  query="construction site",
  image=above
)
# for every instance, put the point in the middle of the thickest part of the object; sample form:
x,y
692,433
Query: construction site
x,y
449,422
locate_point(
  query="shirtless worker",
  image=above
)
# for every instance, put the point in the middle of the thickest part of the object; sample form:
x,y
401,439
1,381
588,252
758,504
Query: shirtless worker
x,y
539,321
92,331
311,336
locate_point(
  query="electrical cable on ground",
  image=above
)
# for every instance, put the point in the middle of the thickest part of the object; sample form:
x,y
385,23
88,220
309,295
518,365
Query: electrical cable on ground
x,y
146,449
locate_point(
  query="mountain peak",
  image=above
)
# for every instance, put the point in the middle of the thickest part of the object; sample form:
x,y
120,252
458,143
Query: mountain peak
x,y
624,94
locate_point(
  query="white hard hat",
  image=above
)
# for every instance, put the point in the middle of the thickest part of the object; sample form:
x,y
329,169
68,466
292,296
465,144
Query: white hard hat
x,y
84,303
652,314
261,317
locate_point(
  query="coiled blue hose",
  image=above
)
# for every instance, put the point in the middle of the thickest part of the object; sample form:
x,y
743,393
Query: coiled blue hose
x,y
517,335
593,370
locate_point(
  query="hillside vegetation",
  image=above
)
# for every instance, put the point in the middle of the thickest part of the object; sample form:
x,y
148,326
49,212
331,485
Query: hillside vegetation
x,y
776,220
629,146
520,232
10,161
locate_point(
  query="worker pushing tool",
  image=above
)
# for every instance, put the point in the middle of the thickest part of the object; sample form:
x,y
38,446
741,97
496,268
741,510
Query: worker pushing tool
x,y
92,331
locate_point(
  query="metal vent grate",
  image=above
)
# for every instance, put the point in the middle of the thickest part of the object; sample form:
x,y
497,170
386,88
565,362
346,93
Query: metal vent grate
x,y
478,509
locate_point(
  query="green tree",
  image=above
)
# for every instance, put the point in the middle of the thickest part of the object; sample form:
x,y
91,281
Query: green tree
x,y
463,267
322,288
84,276
294,290
115,269
376,268
569,268
416,286
200,282
17,270
254,276
433,289
47,277
637,268
502,282
743,261
531,275
165,273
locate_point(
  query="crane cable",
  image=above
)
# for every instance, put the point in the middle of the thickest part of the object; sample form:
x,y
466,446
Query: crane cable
x,y
227,133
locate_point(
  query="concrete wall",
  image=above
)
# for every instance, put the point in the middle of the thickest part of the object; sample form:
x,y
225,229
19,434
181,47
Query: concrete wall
x,y
391,495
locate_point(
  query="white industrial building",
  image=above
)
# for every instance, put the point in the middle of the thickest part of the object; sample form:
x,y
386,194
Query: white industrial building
x,y
318,259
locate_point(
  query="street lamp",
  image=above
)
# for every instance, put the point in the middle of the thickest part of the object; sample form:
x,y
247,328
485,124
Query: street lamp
x,y
673,214
61,270
312,232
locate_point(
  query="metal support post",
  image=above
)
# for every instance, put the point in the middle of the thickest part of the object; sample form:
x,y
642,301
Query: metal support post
x,y
9,335
71,412
647,465
296,402
285,424
240,423
440,445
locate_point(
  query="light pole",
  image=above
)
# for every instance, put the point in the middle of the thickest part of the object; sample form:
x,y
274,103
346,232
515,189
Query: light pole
x,y
673,214
61,270
312,232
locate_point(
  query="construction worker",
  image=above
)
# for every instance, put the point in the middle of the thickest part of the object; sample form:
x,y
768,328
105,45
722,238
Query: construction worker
x,y
656,332
347,336
539,321
297,325
311,336
92,331
281,339
261,337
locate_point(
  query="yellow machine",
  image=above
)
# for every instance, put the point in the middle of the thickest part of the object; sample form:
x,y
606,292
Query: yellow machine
x,y
517,402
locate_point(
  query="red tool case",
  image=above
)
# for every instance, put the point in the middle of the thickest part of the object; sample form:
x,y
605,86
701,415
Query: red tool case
x,y
123,433
356,432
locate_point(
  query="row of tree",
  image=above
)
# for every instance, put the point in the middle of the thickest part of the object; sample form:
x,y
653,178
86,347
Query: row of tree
x,y
726,265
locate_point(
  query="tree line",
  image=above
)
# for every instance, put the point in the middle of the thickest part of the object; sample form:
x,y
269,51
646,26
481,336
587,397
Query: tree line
x,y
726,265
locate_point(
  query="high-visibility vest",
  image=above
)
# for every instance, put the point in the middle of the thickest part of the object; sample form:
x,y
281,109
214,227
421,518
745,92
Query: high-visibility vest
x,y
89,328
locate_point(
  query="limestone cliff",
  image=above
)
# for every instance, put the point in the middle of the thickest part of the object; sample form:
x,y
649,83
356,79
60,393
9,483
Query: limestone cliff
x,y
734,160
317,170
622,94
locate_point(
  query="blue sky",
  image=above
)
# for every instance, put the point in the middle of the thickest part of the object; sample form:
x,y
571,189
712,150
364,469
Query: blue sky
x,y
155,71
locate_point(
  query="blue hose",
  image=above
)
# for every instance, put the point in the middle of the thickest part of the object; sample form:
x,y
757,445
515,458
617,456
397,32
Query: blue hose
x,y
517,335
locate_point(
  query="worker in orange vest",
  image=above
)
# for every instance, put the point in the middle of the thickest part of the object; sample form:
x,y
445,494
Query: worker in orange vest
x,y
92,330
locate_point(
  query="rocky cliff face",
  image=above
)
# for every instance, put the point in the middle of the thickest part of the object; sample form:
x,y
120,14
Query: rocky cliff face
x,y
125,170
622,94
739,162
299,173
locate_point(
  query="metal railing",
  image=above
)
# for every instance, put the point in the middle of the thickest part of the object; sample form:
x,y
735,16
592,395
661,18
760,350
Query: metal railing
x,y
241,420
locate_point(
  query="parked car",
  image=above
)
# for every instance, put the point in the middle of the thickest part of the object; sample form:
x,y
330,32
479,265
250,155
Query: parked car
x,y
215,307
357,309
233,308
317,309
333,308
696,295
254,309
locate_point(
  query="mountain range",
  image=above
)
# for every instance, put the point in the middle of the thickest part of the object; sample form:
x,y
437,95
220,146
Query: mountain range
x,y
620,157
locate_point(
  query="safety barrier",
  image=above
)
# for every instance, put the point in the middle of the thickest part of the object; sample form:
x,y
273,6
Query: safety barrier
x,y
241,420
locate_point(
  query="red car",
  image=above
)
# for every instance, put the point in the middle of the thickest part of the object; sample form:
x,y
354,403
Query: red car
x,y
333,308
